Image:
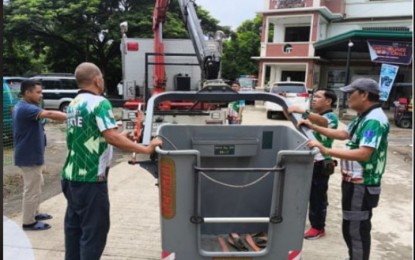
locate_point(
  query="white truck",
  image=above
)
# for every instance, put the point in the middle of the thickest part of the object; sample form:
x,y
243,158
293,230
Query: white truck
x,y
137,72
191,66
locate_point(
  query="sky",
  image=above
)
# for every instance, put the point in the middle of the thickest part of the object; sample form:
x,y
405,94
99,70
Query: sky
x,y
228,15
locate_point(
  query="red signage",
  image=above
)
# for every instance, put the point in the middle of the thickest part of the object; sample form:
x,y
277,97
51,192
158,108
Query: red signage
x,y
390,52
132,46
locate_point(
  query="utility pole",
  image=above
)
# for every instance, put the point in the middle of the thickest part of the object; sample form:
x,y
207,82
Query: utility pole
x,y
346,82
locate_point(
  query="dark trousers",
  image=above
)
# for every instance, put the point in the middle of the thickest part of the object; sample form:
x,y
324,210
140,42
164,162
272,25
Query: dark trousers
x,y
317,209
358,201
87,219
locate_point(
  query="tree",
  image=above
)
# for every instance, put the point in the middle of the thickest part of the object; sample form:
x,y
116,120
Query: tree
x,y
57,35
243,45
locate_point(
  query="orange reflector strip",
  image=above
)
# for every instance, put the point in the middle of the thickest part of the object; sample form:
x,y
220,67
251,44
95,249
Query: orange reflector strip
x,y
168,187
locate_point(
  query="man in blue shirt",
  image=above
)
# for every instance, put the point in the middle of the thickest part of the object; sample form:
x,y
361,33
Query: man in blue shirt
x,y
29,149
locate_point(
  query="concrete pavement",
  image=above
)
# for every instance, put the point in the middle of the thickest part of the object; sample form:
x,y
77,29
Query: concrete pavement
x,y
135,229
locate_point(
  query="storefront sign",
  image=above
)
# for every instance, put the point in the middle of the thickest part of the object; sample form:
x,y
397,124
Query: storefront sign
x,y
390,52
387,77
290,3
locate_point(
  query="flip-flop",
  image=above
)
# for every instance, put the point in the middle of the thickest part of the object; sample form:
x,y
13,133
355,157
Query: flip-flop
x,y
37,226
235,241
249,239
43,216
260,239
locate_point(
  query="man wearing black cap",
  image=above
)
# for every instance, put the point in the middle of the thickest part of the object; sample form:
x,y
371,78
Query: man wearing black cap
x,y
363,162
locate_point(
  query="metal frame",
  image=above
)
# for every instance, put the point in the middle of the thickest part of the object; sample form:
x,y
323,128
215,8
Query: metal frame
x,y
216,94
147,63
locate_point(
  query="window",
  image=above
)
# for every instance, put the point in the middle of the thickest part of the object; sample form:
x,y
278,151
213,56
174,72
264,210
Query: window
x,y
271,28
297,34
288,88
336,79
69,84
51,84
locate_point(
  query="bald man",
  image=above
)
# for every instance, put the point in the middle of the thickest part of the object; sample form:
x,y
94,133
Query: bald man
x,y
91,134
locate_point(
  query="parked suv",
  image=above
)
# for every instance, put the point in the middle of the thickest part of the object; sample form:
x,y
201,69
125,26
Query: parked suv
x,y
58,89
295,92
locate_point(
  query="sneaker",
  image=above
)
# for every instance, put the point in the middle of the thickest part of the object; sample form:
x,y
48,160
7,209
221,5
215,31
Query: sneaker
x,y
314,233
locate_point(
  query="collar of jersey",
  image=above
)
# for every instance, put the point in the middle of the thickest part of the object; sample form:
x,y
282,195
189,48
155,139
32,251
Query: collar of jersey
x,y
86,91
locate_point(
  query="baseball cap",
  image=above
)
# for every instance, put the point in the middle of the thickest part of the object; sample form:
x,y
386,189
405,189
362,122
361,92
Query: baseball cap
x,y
364,84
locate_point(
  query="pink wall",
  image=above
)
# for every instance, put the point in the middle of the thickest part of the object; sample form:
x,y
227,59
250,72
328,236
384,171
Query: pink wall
x,y
276,50
314,27
336,6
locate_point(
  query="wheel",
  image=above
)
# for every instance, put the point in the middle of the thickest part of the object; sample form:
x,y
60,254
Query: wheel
x,y
405,123
64,106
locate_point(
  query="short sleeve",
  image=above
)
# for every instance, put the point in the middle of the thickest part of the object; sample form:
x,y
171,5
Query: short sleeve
x,y
105,116
31,112
371,134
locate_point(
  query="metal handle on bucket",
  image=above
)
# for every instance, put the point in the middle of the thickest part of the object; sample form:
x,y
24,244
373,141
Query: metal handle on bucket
x,y
238,220
219,94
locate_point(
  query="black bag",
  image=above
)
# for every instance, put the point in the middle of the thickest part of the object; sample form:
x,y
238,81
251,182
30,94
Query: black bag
x,y
328,166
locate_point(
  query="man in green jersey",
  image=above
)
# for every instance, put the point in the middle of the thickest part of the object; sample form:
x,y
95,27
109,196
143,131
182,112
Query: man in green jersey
x,y
363,162
91,133
322,115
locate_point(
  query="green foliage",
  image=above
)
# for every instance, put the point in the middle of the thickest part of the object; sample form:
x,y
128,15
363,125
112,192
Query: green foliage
x,y
56,35
239,50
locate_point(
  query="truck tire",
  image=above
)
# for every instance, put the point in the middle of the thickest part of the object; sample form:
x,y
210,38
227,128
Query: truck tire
x,y
405,123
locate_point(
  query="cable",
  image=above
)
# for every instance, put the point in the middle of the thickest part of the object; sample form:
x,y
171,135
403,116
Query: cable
x,y
235,186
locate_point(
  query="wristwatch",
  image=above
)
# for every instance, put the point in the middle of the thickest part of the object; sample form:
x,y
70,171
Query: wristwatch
x,y
306,114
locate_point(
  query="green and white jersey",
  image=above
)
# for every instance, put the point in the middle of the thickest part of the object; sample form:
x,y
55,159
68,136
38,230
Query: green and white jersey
x,y
333,122
88,115
233,108
371,131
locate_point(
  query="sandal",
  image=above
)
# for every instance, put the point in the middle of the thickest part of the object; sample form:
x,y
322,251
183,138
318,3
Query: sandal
x,y
235,241
43,216
260,239
37,226
222,244
249,239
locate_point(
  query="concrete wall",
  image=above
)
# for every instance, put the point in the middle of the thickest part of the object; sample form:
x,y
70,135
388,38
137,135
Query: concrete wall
x,y
367,8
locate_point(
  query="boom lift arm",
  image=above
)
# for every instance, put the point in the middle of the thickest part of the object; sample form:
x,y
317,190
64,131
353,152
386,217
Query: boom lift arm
x,y
208,52
159,73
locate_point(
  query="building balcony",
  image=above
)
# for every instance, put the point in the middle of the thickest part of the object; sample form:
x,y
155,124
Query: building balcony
x,y
287,50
